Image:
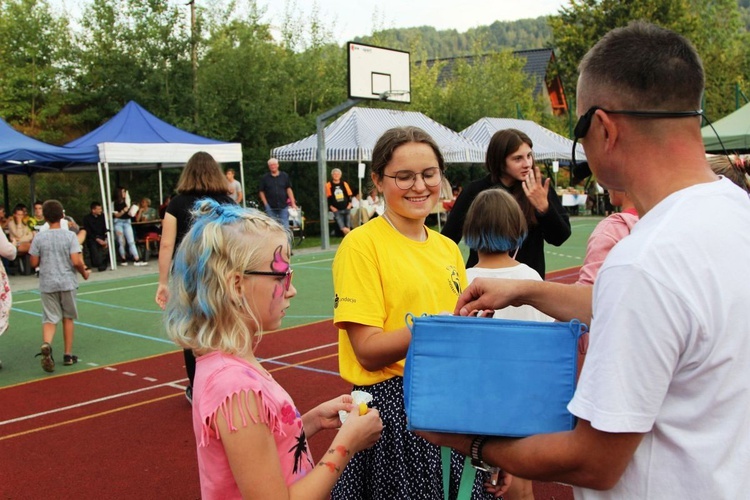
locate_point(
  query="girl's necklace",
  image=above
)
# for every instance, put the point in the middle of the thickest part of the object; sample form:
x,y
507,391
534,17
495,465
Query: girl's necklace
x,y
388,220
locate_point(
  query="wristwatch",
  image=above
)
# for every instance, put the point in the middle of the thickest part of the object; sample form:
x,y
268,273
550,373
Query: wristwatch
x,y
475,451
477,461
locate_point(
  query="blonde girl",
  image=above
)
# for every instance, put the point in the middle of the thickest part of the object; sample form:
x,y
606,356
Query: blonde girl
x,y
231,282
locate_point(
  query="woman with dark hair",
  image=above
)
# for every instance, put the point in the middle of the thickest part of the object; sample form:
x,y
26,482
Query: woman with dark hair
x,y
510,163
124,228
201,178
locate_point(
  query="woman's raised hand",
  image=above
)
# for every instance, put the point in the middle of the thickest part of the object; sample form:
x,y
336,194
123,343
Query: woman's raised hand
x,y
536,190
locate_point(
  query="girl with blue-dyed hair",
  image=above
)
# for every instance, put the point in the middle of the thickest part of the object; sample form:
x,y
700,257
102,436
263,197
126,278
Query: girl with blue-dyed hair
x,y
496,228
231,281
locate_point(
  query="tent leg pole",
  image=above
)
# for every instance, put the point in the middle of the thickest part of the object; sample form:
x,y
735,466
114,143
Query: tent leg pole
x,y
323,203
242,182
161,187
110,234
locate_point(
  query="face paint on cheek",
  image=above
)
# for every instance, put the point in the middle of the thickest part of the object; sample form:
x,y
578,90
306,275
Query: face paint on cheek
x,y
278,291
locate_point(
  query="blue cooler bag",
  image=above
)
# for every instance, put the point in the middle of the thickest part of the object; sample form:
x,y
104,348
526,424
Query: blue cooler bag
x,y
490,376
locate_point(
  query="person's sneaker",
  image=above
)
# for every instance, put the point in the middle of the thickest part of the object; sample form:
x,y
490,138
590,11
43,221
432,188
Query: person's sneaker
x,y
189,394
125,263
48,362
70,359
140,263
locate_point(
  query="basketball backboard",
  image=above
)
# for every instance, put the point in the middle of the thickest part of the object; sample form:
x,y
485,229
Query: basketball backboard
x,y
378,73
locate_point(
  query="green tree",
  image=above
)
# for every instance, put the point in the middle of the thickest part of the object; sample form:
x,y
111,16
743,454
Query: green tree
x,y
131,50
491,85
33,53
712,25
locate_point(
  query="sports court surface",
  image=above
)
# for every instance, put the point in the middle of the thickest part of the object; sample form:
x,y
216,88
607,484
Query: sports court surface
x,y
117,424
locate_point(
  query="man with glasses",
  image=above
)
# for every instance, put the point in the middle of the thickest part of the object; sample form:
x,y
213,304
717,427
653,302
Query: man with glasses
x,y
662,401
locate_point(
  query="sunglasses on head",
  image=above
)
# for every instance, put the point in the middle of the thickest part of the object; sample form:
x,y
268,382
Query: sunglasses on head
x,y
584,122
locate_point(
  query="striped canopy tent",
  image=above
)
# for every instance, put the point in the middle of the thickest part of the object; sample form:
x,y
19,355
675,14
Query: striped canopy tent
x,y
548,145
353,135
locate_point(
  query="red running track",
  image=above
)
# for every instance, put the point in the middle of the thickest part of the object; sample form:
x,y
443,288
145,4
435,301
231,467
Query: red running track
x,y
125,431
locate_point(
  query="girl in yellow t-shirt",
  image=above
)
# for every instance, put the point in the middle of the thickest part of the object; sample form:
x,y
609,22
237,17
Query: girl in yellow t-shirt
x,y
384,269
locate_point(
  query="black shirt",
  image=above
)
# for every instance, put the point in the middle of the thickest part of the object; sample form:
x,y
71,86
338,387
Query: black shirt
x,y
275,189
95,227
552,227
181,205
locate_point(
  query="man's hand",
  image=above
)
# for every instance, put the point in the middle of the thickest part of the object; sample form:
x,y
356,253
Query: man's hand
x,y
490,293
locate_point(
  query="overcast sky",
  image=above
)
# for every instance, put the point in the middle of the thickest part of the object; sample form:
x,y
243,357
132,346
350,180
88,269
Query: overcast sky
x,y
357,17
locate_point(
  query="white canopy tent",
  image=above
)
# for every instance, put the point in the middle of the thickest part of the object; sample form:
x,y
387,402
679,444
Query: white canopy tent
x,y
353,135
548,145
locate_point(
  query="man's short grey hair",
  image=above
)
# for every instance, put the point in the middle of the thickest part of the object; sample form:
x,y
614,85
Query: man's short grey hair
x,y
643,66
335,170
273,161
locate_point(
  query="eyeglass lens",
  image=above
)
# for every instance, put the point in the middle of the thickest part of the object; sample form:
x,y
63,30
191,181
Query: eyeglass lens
x,y
288,280
405,179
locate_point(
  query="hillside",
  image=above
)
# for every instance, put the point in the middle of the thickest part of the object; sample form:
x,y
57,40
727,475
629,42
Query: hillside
x,y
510,35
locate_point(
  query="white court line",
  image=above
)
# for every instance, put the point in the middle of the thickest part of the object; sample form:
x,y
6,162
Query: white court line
x,y
175,384
302,263
297,352
18,302
574,257
93,401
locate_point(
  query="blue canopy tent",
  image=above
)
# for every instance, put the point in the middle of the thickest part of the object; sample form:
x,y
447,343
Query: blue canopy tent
x,y
134,138
20,154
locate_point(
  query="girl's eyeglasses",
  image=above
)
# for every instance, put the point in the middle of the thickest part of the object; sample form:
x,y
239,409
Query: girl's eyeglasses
x,y
405,179
287,275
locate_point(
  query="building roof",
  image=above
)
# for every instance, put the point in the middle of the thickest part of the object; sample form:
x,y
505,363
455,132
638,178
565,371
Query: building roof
x,y
537,61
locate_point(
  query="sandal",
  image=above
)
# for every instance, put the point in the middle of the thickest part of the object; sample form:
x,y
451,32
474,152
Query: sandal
x,y
70,359
48,362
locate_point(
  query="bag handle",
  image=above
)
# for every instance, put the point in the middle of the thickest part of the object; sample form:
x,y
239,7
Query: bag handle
x,y
409,320
467,478
577,328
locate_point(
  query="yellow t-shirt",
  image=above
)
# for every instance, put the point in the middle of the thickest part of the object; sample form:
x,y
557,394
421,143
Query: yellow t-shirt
x,y
379,276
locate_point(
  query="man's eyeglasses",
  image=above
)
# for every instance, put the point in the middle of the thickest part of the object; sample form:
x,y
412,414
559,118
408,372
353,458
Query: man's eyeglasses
x,y
405,179
584,122
287,275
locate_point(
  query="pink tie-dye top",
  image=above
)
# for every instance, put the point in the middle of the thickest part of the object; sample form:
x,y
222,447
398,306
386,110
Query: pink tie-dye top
x,y
220,376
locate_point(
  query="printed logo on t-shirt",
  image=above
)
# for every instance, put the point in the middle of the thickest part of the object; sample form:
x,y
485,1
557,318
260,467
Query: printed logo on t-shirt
x,y
338,299
454,281
338,193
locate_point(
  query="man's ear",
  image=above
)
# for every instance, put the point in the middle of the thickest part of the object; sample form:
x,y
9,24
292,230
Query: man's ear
x,y
609,130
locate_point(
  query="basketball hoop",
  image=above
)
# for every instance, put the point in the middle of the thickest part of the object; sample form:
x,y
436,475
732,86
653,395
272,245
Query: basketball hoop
x,y
384,96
